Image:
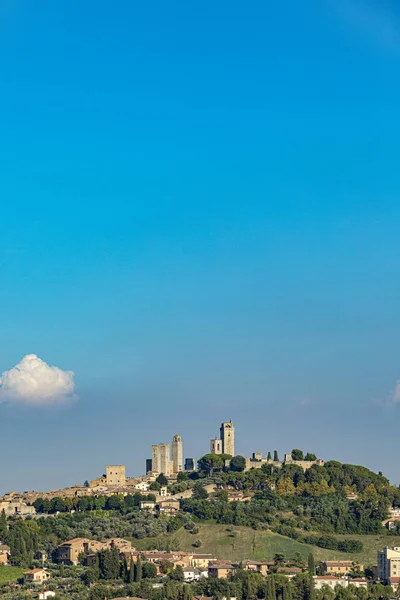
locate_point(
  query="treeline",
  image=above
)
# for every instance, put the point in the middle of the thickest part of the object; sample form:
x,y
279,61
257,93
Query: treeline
x,y
118,502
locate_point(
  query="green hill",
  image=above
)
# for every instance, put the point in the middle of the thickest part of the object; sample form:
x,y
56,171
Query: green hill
x,y
239,543
10,574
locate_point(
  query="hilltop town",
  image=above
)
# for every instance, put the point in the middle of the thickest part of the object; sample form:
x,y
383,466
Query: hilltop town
x,y
175,530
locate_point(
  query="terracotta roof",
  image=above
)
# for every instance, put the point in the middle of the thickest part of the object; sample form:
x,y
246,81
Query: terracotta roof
x,y
32,571
330,577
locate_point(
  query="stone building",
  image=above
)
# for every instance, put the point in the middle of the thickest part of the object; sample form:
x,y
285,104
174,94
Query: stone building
x,y
389,565
161,459
36,576
115,475
216,446
340,567
227,435
5,554
177,454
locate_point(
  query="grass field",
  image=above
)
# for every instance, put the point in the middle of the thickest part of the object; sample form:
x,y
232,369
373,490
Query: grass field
x,y
243,542
10,573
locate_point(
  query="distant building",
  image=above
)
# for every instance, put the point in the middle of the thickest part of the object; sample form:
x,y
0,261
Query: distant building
x,y
149,465
389,565
116,475
36,576
189,464
340,567
160,458
331,581
177,454
16,507
4,554
216,446
227,435
221,569
147,505
169,507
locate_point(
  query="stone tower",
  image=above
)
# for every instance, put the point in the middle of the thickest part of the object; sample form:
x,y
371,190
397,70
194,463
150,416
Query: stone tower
x,y
160,459
216,446
116,475
177,454
227,435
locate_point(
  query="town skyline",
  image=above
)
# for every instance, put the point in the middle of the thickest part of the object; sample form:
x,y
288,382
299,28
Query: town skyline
x,y
199,217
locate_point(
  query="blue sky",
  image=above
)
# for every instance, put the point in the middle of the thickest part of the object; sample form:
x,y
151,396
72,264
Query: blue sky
x,y
200,219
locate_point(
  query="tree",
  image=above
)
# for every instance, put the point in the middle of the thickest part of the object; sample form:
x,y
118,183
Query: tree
x,y
269,456
182,476
162,480
210,462
3,525
285,486
187,592
177,574
149,570
286,591
199,491
311,564
155,486
131,577
238,463
138,570
279,558
114,502
310,456
271,591
276,459
86,484
297,454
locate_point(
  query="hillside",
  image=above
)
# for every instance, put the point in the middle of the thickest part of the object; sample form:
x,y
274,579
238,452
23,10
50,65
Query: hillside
x,y
238,543
10,574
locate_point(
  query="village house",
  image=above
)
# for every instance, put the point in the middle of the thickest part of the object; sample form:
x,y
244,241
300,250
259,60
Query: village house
x,y
169,507
257,566
194,574
201,560
331,581
340,567
69,551
5,553
221,569
290,572
147,505
16,508
36,576
46,594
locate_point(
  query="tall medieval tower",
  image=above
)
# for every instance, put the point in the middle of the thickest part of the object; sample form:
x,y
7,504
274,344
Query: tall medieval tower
x,y
227,435
177,454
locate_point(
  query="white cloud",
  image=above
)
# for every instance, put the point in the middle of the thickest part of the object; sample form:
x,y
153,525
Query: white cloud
x,y
394,396
34,382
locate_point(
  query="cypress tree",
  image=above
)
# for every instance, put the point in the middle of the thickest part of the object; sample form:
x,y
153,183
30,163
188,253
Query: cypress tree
x,y
187,592
269,456
131,577
286,592
271,591
3,526
276,456
311,564
138,570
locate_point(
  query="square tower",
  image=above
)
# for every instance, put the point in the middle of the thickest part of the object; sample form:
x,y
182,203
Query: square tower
x,y
161,459
116,475
177,454
227,434
216,446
